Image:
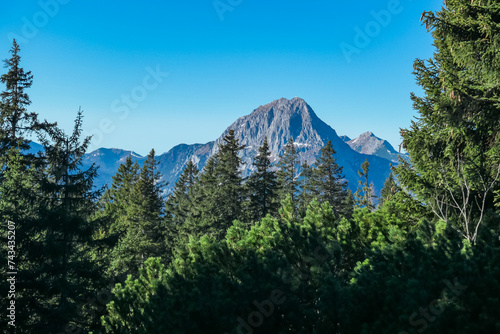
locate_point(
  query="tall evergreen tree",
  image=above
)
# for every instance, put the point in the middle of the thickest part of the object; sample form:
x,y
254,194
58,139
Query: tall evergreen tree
x,y
389,190
15,121
179,203
202,219
306,194
20,209
454,145
180,207
328,176
118,197
113,210
364,195
229,191
263,185
287,172
219,193
65,274
144,233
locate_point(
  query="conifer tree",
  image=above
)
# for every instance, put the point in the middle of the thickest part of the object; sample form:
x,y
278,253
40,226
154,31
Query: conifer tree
x,y
454,144
180,207
117,198
19,210
202,219
179,203
328,183
364,195
113,210
389,190
15,121
229,192
144,234
64,273
263,185
306,194
287,170
349,204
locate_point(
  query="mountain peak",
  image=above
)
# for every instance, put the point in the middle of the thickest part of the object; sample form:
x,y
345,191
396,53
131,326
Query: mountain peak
x,y
279,121
286,106
368,143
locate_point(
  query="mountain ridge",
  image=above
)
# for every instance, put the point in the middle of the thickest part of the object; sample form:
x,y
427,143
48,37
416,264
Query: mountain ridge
x,y
279,121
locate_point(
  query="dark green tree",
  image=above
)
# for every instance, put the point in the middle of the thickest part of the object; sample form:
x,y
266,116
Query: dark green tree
x,y
20,209
180,207
202,218
62,273
263,185
349,204
180,202
454,143
306,184
287,172
113,209
364,195
143,235
15,121
389,190
328,184
222,185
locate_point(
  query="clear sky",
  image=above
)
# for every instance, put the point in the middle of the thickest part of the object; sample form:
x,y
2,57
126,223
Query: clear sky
x,y
154,74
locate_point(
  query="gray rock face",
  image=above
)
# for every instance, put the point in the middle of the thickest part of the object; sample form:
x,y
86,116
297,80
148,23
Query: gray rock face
x,y
278,121
368,143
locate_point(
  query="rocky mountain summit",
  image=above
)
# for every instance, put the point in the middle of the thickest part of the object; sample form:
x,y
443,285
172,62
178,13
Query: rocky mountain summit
x,y
279,121
368,143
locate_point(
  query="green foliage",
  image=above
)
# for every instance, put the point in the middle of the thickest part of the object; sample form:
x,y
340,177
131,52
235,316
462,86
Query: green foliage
x,y
142,233
454,144
306,194
328,184
180,207
263,186
61,272
364,195
134,301
270,267
19,203
219,193
15,121
287,170
389,190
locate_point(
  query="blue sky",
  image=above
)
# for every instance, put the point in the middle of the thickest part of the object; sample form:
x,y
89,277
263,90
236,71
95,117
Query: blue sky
x,y
154,74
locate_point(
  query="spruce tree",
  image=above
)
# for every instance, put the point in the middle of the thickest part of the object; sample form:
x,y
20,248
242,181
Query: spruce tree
x,y
179,203
219,192
328,184
15,121
287,172
306,184
114,206
454,144
180,207
229,192
364,195
203,219
263,185
144,234
389,190
64,274
20,209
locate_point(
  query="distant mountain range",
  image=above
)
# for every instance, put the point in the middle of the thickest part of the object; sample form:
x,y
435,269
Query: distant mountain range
x,y
278,121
